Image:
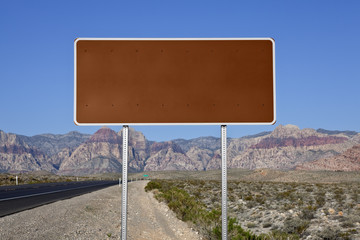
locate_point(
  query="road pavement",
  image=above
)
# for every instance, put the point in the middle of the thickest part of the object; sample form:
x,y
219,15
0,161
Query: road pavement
x,y
19,198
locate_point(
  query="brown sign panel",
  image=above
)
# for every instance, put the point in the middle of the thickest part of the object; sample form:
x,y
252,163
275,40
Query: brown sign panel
x,y
174,81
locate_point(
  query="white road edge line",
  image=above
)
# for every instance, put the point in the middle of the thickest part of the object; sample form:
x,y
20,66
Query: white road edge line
x,y
38,194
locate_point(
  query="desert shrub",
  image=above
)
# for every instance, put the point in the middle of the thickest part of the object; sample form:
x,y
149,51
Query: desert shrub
x,y
274,227
320,200
251,225
285,195
300,202
288,206
348,224
214,199
188,208
278,235
251,204
355,196
236,232
152,185
308,212
295,225
339,195
266,225
260,199
185,206
248,198
329,234
346,235
197,194
231,197
209,220
199,205
338,191
240,206
354,218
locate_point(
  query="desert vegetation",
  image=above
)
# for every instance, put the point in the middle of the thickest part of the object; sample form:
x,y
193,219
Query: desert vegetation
x,y
38,177
265,210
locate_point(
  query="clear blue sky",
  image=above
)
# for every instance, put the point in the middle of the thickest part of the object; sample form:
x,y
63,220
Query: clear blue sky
x,y
317,56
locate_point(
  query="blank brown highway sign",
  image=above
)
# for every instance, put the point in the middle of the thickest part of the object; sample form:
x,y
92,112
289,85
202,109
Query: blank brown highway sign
x,y
174,81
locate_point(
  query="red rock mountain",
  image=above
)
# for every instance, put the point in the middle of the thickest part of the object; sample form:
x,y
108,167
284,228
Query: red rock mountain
x,y
287,147
271,142
101,153
168,156
17,156
347,161
105,134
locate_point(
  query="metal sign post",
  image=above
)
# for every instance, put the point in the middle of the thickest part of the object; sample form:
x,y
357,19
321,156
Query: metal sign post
x,y
124,182
223,183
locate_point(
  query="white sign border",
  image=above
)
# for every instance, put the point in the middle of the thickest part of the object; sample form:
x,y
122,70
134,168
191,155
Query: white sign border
x,y
157,124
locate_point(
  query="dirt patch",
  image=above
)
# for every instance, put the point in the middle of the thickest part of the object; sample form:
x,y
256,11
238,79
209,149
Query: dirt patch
x,y
97,215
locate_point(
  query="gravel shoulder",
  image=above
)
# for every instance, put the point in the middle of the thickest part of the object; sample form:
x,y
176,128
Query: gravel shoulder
x,y
97,215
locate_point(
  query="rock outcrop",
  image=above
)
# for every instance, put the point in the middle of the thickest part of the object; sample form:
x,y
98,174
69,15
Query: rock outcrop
x,y
288,146
271,142
139,150
347,161
58,158
100,154
168,156
17,156
51,144
200,157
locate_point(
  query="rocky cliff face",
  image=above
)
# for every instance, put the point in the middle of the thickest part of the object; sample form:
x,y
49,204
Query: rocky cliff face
x,y
59,157
139,150
200,157
210,143
101,153
168,156
51,144
288,146
347,161
56,147
271,142
17,156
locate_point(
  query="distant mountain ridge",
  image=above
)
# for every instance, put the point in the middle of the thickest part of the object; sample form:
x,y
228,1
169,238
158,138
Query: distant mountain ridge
x,y
288,146
51,144
333,132
17,155
347,161
74,153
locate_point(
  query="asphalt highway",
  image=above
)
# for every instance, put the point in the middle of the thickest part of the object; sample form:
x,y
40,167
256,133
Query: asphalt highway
x,y
22,197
